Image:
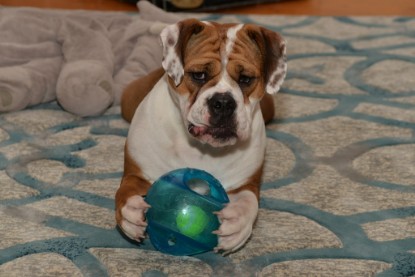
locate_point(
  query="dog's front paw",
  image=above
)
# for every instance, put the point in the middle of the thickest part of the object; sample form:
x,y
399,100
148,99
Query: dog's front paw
x,y
237,220
133,222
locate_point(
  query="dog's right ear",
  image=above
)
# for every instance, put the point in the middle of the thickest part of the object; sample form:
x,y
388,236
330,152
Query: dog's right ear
x,y
174,39
273,49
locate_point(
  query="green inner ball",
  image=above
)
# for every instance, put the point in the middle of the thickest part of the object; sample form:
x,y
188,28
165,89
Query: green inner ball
x,y
191,221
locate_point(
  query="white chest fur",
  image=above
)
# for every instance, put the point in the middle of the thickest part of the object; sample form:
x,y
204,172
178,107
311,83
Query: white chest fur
x,y
159,142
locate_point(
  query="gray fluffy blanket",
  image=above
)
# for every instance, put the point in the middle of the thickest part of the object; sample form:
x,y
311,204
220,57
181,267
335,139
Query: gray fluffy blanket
x,y
83,60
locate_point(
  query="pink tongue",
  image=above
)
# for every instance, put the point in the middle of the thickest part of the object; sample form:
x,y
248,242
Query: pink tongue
x,y
197,130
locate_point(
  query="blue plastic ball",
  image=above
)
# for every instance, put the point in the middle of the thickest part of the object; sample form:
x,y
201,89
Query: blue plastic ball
x,y
181,218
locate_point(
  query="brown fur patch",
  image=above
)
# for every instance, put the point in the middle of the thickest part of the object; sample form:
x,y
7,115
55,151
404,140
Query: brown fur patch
x,y
253,184
132,183
135,92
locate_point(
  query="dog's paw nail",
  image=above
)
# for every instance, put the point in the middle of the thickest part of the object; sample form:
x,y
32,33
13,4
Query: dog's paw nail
x,y
140,238
219,215
220,250
217,232
141,223
225,253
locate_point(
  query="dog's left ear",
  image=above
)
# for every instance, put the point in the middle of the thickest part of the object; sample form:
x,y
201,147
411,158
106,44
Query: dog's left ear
x,y
273,52
174,39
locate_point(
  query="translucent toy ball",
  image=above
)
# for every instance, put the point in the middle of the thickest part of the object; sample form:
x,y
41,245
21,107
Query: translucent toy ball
x,y
181,218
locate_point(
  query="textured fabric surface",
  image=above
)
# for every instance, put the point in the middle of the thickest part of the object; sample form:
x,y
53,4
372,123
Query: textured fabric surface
x,y
81,59
338,193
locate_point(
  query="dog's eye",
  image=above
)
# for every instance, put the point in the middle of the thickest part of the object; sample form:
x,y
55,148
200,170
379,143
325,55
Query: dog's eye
x,y
245,80
199,77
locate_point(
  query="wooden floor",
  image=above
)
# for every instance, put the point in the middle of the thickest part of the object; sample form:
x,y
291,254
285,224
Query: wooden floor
x,y
291,7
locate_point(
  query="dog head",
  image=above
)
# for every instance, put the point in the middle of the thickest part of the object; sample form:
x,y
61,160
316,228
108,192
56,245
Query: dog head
x,y
218,73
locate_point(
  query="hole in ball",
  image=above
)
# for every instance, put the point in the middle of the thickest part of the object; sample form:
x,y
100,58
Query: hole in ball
x,y
171,241
199,186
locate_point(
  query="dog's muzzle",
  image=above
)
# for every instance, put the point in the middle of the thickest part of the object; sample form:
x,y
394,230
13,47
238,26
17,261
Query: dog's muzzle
x,y
222,124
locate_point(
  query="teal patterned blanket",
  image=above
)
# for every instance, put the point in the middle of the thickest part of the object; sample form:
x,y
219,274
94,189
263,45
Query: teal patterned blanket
x,y
338,193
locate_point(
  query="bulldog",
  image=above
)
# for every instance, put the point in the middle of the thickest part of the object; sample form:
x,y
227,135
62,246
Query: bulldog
x,y
202,109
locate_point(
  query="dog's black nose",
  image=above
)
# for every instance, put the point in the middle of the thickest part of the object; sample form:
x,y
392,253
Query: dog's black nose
x,y
222,105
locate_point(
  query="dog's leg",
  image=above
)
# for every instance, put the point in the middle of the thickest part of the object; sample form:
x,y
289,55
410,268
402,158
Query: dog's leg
x,y
135,92
267,108
238,217
130,205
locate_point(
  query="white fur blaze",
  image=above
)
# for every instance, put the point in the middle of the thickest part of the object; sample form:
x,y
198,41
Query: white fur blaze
x,y
231,37
172,63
